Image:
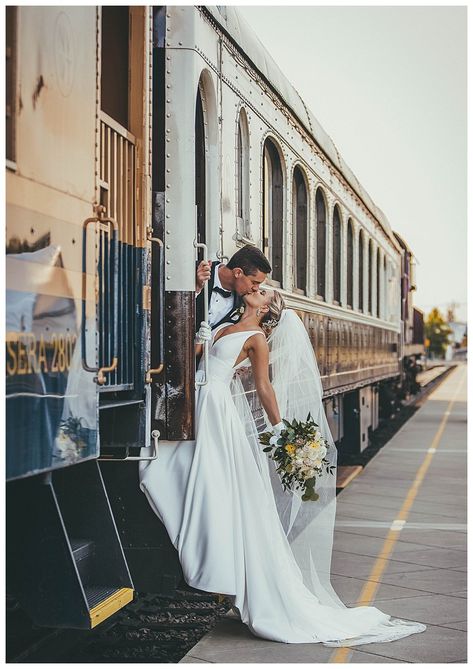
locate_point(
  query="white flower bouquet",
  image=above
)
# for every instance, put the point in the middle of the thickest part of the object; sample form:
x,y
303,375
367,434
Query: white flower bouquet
x,y
299,452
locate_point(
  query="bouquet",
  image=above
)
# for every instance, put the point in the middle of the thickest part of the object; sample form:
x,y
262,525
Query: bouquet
x,y
299,452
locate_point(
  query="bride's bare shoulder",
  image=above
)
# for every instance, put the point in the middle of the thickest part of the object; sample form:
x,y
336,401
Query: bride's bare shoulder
x,y
256,342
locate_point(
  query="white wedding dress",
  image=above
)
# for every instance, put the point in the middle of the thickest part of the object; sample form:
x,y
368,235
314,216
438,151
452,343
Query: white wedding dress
x,y
214,497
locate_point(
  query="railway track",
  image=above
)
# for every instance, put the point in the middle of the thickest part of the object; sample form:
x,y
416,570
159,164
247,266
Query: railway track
x,y
152,628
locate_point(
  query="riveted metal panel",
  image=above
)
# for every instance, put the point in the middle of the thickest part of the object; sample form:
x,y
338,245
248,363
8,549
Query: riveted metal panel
x,y
57,95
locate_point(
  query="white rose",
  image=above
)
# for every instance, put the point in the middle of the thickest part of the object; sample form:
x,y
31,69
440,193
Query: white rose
x,y
273,441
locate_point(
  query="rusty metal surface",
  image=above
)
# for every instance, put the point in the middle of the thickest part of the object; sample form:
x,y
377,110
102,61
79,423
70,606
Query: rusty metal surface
x,y
174,396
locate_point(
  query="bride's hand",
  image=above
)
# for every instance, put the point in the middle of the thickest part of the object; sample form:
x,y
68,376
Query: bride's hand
x,y
204,333
278,428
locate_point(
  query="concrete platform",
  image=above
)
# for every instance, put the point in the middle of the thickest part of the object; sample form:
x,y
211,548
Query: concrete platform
x,y
412,493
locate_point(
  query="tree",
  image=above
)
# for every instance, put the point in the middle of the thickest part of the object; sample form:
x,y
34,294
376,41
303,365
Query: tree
x,y
437,331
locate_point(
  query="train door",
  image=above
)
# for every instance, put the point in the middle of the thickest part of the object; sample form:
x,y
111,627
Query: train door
x,y
122,192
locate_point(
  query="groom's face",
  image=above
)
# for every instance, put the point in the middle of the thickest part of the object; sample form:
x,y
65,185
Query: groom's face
x,y
247,283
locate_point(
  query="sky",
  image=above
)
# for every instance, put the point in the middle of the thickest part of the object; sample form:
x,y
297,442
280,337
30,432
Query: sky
x,y
389,85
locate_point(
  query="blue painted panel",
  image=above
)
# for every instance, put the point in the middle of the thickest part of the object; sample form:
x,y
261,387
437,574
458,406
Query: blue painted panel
x,y
51,401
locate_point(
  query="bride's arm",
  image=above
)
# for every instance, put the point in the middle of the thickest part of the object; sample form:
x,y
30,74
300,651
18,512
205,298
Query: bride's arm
x,y
258,354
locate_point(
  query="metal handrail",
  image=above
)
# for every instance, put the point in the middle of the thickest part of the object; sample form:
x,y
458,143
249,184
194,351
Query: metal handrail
x,y
206,318
160,367
99,218
155,434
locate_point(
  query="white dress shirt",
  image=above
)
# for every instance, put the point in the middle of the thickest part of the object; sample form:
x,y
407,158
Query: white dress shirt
x,y
219,305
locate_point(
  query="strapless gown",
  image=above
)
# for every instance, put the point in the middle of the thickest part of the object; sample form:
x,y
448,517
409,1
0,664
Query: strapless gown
x,y
214,501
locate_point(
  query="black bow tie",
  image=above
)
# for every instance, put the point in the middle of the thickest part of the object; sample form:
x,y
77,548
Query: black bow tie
x,y
225,293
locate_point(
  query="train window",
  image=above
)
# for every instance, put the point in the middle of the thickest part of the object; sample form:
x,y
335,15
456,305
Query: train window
x,y
299,217
378,283
360,271
336,253
385,289
350,264
273,209
243,177
115,63
370,277
200,168
10,75
321,243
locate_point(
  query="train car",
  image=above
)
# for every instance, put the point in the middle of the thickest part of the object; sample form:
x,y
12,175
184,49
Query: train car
x,y
266,173
412,320
77,303
136,138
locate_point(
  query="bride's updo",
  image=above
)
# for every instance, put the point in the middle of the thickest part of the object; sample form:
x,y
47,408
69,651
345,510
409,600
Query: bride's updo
x,y
271,318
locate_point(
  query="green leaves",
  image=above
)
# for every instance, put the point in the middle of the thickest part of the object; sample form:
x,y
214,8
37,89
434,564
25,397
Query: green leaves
x,y
294,456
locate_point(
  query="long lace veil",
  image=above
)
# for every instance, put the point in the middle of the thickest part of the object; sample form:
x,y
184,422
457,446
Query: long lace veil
x,y
296,380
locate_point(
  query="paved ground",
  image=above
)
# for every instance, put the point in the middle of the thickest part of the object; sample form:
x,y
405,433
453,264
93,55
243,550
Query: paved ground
x,y
400,543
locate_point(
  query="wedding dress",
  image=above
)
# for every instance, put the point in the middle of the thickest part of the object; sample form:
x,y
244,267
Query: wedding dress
x,y
234,533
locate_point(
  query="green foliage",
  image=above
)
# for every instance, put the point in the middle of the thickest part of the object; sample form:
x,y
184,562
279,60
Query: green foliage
x,y
437,332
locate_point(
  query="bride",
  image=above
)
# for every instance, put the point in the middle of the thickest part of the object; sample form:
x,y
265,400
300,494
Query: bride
x,y
236,530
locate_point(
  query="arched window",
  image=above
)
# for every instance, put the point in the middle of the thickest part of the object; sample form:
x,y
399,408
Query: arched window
x,y
336,253
273,208
350,264
200,168
385,289
361,262
321,243
370,277
243,177
378,283
299,217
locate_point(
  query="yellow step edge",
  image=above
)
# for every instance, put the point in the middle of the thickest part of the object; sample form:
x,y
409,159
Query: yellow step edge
x,y
110,606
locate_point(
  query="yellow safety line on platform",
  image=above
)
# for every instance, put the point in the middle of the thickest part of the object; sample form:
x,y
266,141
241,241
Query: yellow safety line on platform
x,y
370,588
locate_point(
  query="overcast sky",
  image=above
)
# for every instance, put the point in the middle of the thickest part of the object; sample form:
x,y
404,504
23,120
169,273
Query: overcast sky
x,y
388,84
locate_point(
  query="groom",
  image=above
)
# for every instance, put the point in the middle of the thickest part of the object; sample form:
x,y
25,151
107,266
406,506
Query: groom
x,y
243,274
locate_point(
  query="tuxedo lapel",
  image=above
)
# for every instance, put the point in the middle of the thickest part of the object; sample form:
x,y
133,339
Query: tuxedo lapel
x,y
232,316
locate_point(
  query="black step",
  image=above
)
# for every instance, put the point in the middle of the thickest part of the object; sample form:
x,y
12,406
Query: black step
x,y
82,548
96,594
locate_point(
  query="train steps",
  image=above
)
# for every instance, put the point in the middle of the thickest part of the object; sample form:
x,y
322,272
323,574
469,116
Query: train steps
x,y
65,563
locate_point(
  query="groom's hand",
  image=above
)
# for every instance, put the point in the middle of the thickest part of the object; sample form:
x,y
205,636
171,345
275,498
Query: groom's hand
x,y
202,275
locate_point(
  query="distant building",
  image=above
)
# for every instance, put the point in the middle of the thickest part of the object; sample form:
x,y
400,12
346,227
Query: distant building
x,y
457,340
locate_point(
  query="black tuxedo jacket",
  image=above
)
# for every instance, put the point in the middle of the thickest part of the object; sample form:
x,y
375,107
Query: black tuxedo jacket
x,y
232,316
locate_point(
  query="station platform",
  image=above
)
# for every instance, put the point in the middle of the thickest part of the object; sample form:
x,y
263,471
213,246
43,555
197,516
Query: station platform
x,y
400,544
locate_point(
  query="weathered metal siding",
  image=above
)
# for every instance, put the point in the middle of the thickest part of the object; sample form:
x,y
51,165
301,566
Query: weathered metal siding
x,y
51,399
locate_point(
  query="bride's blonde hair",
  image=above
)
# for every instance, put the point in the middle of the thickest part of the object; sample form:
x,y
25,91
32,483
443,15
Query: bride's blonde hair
x,y
271,318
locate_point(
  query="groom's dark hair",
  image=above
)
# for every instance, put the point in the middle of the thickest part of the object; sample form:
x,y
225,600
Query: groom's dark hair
x,y
250,259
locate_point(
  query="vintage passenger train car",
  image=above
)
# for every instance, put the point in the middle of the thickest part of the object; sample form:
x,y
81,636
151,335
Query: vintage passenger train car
x,y
134,134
